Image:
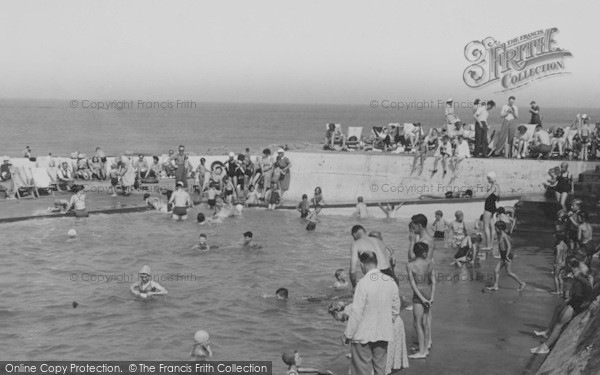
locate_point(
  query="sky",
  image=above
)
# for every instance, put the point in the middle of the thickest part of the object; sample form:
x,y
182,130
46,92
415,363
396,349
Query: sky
x,y
329,52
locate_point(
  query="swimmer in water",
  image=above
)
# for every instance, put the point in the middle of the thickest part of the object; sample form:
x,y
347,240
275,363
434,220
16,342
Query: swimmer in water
x,y
361,208
390,210
146,287
293,360
154,203
303,207
202,244
341,282
313,219
281,293
201,350
60,205
249,242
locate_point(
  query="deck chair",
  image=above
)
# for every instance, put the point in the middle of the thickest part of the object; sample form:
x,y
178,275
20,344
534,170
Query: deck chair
x,y
354,139
42,180
378,137
23,181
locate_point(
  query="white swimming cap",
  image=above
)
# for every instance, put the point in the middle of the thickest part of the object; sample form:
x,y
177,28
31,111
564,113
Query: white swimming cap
x,y
201,337
492,176
280,150
232,154
72,233
239,207
146,270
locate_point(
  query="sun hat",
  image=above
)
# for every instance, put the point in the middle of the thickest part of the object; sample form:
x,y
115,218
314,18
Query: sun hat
x,y
232,154
492,176
449,100
179,183
280,150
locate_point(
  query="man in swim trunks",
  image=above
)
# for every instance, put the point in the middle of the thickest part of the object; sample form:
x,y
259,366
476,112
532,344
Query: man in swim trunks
x,y
363,243
181,201
418,233
146,287
422,281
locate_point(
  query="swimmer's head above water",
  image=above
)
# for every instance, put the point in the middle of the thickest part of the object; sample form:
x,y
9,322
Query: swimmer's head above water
x,y
291,358
248,235
201,218
201,345
202,238
281,293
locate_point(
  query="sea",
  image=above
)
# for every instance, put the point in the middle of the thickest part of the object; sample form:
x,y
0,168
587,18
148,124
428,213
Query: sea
x,y
153,127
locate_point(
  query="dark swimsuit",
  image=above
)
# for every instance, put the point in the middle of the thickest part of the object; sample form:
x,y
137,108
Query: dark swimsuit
x,y
563,185
503,251
490,203
179,211
462,252
439,235
581,295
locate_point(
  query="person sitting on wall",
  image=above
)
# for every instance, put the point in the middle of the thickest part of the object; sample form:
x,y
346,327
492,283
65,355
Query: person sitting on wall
x,y
334,135
578,301
540,146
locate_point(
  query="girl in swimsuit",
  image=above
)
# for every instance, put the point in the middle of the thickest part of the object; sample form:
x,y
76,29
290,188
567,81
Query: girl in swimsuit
x,y
491,197
422,281
318,198
563,185
505,257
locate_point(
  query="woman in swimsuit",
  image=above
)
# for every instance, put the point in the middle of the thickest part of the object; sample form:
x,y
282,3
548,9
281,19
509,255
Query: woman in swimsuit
x,y
146,287
422,281
491,197
563,185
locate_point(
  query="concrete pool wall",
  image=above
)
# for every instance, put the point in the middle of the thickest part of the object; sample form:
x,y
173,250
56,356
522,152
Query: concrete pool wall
x,y
343,176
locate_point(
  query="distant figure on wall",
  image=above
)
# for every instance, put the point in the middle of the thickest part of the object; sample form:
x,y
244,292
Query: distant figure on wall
x,y
503,139
535,114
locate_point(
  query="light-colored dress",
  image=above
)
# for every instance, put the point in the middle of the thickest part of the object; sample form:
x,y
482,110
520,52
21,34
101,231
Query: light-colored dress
x,y
128,174
397,357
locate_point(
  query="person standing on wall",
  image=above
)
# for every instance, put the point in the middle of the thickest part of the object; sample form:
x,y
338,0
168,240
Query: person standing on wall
x,y
535,114
503,139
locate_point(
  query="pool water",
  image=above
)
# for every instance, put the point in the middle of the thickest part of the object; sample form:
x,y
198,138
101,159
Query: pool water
x,y
224,291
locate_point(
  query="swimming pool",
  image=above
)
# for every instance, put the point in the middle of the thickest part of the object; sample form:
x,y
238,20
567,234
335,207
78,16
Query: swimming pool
x,y
222,291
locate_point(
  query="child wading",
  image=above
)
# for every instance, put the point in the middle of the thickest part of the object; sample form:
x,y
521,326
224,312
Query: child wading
x,y
506,257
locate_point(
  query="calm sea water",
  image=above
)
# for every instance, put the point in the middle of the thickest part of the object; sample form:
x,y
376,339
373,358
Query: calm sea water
x,y
53,126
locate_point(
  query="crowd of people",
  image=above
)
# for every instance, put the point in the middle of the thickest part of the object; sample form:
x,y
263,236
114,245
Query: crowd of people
x,y
374,329
456,140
